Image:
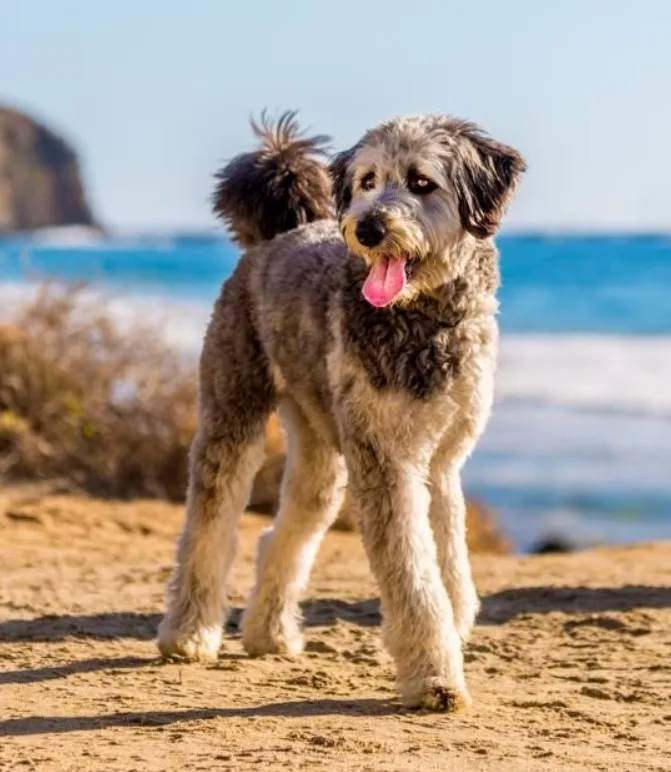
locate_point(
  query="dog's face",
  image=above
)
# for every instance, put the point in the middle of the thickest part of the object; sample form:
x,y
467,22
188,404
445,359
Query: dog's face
x,y
409,193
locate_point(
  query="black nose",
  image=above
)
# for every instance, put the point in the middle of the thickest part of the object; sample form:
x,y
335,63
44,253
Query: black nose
x,y
370,231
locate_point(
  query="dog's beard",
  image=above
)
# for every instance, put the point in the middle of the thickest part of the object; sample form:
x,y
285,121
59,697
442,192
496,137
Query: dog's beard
x,y
388,278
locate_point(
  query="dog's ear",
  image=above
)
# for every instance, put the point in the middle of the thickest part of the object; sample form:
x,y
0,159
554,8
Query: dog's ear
x,y
486,173
342,179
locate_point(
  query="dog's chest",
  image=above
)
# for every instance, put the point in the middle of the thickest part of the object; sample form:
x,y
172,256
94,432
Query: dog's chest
x,y
407,352
408,396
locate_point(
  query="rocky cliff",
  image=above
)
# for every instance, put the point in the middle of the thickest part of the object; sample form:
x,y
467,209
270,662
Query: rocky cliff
x,y
40,182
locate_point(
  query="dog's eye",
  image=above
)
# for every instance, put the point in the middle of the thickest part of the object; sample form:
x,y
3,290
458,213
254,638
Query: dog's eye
x,y
367,181
419,184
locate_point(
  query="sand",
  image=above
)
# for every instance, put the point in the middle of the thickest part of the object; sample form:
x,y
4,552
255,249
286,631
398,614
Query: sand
x,y
569,666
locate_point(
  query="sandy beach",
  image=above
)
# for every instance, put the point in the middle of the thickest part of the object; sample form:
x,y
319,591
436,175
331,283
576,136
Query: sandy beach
x,y
569,666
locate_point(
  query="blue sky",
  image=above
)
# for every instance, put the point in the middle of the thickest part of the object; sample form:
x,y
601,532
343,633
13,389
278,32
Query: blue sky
x,y
156,93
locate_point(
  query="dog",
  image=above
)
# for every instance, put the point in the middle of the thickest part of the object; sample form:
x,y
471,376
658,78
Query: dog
x,y
364,310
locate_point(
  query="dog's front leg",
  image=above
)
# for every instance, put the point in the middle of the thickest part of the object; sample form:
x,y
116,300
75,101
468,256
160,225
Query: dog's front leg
x,y
448,520
391,502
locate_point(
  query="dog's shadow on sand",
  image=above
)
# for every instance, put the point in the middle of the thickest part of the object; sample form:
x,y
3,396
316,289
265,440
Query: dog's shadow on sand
x,y
501,607
497,608
36,725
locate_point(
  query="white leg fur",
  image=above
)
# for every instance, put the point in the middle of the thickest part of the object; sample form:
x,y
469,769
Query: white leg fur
x,y
311,496
418,626
448,521
219,490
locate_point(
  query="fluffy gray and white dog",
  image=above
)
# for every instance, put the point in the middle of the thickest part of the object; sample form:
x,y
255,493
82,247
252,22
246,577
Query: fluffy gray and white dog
x,y
374,334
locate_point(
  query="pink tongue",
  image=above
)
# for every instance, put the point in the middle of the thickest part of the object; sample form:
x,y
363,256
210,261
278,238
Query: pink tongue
x,y
385,281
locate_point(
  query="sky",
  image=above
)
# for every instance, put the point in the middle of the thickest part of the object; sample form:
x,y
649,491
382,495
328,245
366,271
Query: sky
x,y
155,94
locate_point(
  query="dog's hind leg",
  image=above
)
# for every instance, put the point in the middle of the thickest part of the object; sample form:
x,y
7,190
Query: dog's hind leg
x,y
311,497
221,478
236,398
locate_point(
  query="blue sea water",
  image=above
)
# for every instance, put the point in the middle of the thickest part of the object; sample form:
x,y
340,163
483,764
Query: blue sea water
x,y
580,438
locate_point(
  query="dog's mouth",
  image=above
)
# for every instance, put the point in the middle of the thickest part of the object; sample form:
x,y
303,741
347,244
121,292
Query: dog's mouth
x,y
387,279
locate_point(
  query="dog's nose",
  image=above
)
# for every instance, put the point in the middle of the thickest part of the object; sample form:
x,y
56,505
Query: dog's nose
x,y
370,231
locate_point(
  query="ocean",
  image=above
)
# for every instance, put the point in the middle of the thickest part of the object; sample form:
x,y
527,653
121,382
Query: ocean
x,y
579,443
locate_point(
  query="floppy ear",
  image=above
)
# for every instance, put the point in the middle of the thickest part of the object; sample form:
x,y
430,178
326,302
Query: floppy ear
x,y
486,174
342,179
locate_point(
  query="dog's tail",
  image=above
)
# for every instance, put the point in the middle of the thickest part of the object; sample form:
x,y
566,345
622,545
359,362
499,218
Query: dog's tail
x,y
279,186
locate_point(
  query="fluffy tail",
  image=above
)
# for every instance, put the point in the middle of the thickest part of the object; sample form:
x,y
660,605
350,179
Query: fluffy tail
x,y
277,187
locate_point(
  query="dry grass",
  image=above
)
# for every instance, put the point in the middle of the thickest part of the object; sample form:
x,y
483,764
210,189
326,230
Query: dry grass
x,y
112,412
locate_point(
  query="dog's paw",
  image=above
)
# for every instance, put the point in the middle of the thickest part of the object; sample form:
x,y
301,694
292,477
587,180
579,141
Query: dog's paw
x,y
465,616
269,636
200,644
435,694
258,646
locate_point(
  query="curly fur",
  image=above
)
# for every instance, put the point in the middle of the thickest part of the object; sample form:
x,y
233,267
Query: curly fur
x,y
389,400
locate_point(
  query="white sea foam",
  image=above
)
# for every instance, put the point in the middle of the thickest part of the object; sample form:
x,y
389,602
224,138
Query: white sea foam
x,y
66,237
620,373
562,449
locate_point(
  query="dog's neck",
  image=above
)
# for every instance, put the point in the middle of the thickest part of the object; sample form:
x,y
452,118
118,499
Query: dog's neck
x,y
466,283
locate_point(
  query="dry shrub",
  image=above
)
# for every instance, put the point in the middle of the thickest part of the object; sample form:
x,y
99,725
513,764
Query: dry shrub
x,y
113,412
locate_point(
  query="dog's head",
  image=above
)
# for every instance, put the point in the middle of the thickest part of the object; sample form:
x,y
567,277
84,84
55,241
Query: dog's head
x,y
409,194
